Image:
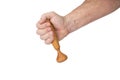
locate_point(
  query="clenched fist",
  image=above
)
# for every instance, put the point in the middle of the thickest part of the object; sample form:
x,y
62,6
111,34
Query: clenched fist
x,y
44,27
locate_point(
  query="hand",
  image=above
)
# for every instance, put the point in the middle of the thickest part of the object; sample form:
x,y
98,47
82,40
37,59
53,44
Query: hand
x,y
44,29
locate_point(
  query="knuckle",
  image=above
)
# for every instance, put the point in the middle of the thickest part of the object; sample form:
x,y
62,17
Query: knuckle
x,y
52,12
37,24
39,32
41,38
48,13
43,15
36,32
48,41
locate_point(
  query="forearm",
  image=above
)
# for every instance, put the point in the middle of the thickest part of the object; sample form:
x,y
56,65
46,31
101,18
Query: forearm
x,y
89,11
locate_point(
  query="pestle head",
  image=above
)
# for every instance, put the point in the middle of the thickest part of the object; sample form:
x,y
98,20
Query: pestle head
x,y
61,57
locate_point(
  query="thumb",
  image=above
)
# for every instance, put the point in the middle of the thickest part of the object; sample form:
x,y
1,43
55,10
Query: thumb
x,y
47,16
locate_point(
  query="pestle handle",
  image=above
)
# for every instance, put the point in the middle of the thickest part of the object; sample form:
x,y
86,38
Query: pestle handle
x,y
61,57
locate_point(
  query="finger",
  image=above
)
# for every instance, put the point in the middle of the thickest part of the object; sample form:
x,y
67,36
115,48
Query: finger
x,y
43,31
46,36
47,16
49,40
44,25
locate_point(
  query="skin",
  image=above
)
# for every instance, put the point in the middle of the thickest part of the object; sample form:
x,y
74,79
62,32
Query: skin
x,y
89,11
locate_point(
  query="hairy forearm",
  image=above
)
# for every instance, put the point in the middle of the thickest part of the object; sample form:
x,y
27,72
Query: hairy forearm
x,y
89,11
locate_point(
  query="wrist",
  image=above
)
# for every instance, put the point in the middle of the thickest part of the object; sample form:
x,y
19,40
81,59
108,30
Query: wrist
x,y
72,22
68,23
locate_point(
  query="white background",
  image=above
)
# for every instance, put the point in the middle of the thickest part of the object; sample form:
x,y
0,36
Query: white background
x,y
93,51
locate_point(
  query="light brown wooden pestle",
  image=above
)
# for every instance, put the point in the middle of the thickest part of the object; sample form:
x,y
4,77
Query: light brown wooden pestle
x,y
61,57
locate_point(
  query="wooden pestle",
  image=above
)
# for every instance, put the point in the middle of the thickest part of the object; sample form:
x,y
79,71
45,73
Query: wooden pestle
x,y
60,56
